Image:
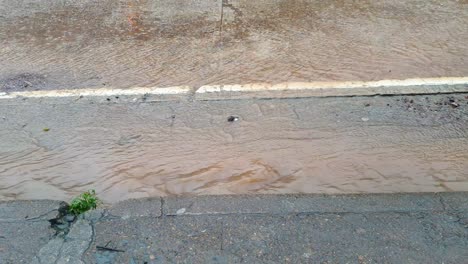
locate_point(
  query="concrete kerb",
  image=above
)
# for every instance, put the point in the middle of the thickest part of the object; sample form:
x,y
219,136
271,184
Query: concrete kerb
x,y
248,204
287,204
247,91
295,204
146,207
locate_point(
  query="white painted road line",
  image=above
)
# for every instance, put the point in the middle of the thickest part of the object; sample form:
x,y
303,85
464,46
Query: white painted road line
x,y
332,87
295,86
98,92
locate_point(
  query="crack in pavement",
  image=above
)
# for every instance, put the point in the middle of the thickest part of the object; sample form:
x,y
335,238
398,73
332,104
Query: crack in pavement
x,y
162,207
59,255
222,235
73,245
441,200
90,242
41,217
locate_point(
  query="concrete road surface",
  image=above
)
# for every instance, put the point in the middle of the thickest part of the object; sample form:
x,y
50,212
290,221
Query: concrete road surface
x,y
403,228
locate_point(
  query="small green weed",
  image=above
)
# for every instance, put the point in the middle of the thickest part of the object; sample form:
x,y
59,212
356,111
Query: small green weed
x,y
83,203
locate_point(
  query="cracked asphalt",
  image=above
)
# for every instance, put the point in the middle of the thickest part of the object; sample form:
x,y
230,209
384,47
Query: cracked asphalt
x,y
375,228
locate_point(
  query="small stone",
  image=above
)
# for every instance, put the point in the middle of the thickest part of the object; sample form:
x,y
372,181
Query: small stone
x,y
62,226
454,104
360,231
181,211
69,218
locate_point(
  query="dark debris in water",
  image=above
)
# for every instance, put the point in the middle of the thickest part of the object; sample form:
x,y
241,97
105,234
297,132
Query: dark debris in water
x,y
233,118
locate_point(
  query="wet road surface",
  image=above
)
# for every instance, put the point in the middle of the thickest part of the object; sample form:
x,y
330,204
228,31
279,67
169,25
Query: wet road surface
x,y
315,145
117,43
54,149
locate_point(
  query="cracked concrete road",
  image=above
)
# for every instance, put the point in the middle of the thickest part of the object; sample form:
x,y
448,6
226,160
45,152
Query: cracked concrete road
x,y
380,228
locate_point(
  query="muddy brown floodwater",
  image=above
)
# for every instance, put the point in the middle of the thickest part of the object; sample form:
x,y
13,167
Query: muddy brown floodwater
x,y
124,43
316,145
328,145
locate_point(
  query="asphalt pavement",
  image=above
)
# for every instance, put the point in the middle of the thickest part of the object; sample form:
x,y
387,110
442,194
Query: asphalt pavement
x,y
379,228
